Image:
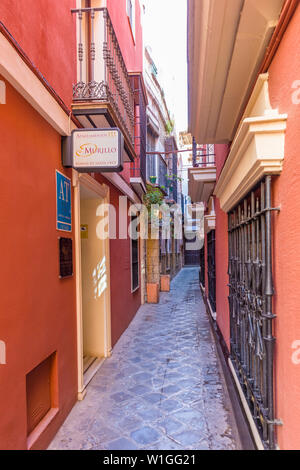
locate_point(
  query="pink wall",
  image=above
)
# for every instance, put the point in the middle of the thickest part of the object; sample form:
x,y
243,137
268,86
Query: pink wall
x,y
132,50
222,290
284,70
45,30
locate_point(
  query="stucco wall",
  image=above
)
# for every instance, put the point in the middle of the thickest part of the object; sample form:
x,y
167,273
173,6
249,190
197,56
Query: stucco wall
x,y
284,70
45,30
132,49
37,309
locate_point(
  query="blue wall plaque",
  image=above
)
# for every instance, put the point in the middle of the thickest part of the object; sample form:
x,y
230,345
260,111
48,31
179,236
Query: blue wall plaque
x,y
63,203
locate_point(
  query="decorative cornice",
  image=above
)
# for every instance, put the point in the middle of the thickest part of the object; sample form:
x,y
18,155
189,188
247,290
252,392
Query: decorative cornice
x,y
257,150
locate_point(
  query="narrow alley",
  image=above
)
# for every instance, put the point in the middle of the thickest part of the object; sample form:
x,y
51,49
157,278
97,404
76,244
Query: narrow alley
x,y
163,387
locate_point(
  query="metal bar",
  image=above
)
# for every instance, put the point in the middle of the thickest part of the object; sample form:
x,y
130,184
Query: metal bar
x,y
269,315
250,304
80,46
92,47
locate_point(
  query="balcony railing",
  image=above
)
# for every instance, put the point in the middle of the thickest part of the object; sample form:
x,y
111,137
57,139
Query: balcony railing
x,y
203,155
101,72
138,168
205,161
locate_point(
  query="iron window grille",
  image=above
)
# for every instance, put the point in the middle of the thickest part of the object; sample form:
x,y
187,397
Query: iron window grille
x,y
250,301
211,268
202,267
134,258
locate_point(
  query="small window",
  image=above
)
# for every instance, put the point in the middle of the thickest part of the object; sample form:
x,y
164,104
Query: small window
x,y
134,254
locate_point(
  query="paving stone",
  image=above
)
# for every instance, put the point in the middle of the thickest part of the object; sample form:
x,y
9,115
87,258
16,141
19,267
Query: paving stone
x,y
150,414
142,377
188,438
145,435
170,426
120,397
154,398
190,417
170,405
128,424
139,390
162,389
170,389
121,444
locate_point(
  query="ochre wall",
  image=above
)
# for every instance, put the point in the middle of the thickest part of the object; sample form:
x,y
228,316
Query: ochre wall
x,y
46,31
132,50
284,70
37,309
222,291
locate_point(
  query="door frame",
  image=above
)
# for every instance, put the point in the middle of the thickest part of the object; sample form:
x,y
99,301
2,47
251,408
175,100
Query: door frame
x,y
102,190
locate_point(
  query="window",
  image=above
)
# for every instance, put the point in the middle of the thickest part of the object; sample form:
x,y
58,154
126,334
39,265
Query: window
x,y
131,15
134,254
211,269
250,304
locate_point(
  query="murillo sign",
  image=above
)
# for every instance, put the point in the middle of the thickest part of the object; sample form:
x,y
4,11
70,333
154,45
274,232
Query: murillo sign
x,y
94,150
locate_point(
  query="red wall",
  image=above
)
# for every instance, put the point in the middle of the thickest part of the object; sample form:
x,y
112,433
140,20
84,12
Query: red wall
x,y
45,30
132,50
222,280
284,70
37,309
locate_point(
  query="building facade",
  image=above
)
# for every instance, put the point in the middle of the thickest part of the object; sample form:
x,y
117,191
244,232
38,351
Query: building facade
x,y
68,290
246,103
164,253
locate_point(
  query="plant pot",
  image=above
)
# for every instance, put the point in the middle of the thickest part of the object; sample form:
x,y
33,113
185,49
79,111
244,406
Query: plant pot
x,y
165,283
152,293
153,179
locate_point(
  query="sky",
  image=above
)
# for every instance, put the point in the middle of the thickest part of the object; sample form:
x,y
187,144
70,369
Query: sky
x,y
165,26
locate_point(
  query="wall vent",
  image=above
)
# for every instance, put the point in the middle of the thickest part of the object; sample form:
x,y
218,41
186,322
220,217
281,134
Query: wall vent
x,y
39,392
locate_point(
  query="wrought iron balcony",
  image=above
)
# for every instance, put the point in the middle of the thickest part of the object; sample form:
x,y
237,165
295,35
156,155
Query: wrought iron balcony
x,y
102,76
202,177
138,168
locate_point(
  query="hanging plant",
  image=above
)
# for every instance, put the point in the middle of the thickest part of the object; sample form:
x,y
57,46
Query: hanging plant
x,y
153,196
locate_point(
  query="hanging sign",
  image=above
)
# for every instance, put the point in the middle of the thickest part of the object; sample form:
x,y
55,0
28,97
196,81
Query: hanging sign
x,y
63,203
94,150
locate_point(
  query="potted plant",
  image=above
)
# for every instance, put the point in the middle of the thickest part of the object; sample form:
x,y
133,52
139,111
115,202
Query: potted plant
x,y
153,179
153,196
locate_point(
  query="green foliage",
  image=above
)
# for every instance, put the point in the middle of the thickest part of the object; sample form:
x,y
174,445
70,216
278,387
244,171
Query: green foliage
x,y
171,180
153,196
170,126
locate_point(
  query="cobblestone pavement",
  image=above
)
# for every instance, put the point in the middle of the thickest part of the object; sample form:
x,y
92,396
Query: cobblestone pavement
x,y
162,389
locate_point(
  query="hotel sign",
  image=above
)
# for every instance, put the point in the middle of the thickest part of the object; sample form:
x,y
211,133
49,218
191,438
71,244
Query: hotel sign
x,y
94,150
